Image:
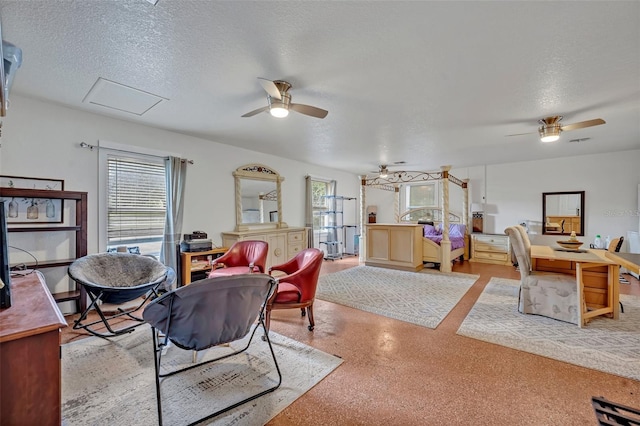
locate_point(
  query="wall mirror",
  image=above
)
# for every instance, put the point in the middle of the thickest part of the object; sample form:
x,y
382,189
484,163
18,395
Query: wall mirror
x,y
258,198
563,212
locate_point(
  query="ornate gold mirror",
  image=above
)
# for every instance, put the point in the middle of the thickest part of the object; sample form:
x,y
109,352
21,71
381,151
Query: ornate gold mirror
x,y
563,212
258,198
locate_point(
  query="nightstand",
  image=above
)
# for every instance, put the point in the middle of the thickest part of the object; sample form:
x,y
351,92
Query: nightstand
x,y
490,248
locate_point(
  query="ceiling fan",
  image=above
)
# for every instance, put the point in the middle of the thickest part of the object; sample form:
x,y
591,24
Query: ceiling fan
x,y
550,127
279,101
383,169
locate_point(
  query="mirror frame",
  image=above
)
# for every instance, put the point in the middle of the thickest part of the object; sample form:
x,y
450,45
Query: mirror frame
x,y
257,172
544,212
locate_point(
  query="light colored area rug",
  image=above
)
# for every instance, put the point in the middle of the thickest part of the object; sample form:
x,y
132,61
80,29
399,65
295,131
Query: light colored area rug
x,y
422,298
604,344
112,382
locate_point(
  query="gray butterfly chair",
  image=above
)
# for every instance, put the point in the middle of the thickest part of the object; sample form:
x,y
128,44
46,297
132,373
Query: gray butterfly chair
x,y
548,294
117,278
207,313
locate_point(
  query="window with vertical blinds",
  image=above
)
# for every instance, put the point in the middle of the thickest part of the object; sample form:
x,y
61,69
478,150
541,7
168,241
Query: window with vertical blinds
x,y
136,200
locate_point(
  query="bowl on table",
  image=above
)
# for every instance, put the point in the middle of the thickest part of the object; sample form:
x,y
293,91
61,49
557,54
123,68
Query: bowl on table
x,y
570,244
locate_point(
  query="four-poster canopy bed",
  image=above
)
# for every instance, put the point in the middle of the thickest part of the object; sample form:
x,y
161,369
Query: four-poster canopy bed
x,y
445,240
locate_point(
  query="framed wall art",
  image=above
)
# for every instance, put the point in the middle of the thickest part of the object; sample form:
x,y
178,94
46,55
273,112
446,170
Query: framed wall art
x,y
30,209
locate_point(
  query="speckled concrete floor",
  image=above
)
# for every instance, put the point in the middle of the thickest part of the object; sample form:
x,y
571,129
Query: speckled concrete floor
x,y
396,373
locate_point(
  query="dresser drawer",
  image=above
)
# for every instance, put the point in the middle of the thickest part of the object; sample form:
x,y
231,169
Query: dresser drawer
x,y
295,237
492,239
489,255
496,247
294,248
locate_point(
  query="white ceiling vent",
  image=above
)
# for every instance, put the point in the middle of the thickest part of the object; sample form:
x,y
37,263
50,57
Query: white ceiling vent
x,y
110,94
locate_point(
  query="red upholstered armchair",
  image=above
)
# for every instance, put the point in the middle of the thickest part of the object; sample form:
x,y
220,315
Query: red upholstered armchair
x,y
297,289
239,257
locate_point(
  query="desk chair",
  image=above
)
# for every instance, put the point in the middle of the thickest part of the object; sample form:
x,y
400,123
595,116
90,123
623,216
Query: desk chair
x,y
614,246
552,295
611,413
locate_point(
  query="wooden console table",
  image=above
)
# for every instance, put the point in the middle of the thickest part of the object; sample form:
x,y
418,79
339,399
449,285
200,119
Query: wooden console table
x,y
597,277
30,371
395,246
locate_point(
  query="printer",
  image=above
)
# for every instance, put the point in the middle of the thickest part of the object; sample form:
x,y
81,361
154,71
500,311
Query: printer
x,y
196,241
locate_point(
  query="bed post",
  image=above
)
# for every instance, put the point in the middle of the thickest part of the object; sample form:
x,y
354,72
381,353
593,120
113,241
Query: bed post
x,y
396,203
466,219
363,220
445,244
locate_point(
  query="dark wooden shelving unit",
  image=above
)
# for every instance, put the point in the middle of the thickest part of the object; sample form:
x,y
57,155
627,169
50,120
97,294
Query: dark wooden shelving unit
x,y
79,228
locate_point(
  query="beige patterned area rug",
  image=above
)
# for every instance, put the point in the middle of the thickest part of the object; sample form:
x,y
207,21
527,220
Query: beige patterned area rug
x,y
604,344
113,383
423,298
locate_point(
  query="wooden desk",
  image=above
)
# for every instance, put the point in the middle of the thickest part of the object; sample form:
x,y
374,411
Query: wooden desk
x,y
631,261
197,265
597,278
30,372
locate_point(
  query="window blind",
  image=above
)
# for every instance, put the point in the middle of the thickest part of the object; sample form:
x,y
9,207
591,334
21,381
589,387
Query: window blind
x,y
136,201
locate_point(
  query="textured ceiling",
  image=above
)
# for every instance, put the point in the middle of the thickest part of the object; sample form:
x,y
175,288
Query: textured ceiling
x,y
429,83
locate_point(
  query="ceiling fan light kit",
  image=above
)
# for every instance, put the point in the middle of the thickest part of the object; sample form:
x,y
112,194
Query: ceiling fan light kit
x,y
278,109
549,133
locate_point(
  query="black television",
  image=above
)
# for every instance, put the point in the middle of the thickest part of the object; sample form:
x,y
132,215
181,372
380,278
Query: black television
x,y
5,275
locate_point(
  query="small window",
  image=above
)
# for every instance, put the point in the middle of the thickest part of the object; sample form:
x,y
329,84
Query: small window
x,y
421,195
320,190
136,203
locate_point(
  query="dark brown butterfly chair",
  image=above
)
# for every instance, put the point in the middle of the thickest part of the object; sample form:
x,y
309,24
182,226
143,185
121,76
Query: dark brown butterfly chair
x,y
614,246
117,278
207,313
611,413
297,289
243,257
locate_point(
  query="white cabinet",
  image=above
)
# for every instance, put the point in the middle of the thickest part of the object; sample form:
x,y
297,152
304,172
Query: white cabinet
x,y
490,248
284,243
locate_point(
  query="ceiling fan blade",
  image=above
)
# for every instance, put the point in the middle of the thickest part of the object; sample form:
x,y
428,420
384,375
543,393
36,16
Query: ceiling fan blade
x,y
270,87
309,110
521,134
256,111
583,124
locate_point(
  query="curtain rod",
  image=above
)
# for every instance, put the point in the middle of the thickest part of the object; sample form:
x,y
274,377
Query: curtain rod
x,y
90,147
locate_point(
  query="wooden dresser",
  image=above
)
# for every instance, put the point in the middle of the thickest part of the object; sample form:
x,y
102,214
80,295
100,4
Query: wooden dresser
x,y
284,243
490,248
30,372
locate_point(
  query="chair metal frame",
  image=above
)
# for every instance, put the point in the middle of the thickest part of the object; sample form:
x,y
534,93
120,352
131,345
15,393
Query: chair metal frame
x,y
104,319
99,293
160,343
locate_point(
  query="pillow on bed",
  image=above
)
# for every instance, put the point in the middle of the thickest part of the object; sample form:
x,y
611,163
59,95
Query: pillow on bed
x,y
456,230
430,230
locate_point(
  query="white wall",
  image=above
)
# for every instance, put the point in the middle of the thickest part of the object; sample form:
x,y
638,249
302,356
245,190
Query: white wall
x,y
42,139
